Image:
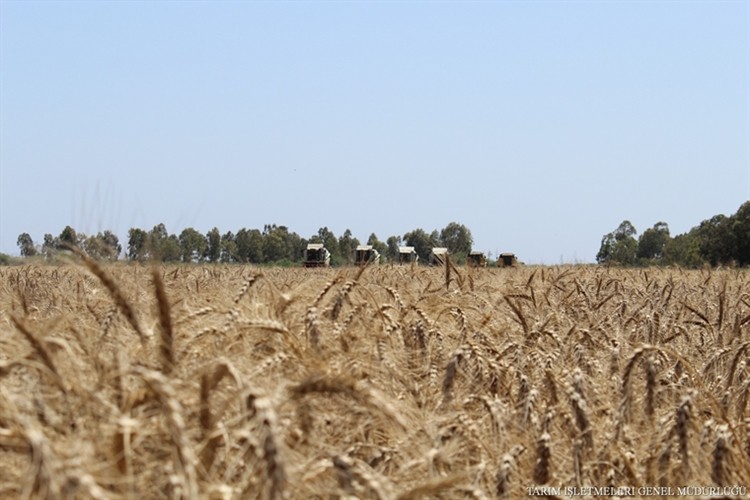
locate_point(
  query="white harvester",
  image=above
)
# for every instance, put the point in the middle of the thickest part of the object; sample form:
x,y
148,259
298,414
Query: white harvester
x,y
316,255
407,255
366,254
439,256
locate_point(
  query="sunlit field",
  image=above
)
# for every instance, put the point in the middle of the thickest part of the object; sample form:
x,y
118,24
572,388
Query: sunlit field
x,y
131,381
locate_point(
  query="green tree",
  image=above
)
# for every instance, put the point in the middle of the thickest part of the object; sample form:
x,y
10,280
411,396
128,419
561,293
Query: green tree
x,y
68,238
249,246
378,245
213,252
104,246
741,231
280,245
157,241
162,245
274,247
606,249
458,240
26,245
193,245
619,247
393,242
49,247
683,250
137,244
329,241
94,248
228,247
347,246
295,245
422,242
652,242
159,232
169,250
112,242
435,238
718,244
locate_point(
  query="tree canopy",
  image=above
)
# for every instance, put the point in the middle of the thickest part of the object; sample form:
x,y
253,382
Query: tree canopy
x,y
719,240
422,243
457,239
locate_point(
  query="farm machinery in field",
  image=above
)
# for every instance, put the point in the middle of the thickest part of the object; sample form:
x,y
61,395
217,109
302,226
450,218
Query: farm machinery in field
x,y
366,254
316,255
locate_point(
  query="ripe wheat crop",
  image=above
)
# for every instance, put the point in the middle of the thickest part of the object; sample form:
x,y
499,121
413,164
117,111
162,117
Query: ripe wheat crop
x,y
129,381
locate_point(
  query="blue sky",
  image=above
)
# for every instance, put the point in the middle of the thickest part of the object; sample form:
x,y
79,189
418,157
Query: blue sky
x,y
538,125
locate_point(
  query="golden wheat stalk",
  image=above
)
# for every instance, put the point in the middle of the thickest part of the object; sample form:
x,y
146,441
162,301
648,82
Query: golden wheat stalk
x,y
174,413
262,409
209,381
114,291
166,338
41,350
323,384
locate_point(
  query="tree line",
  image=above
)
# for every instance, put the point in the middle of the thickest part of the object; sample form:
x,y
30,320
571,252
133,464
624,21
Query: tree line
x,y
273,244
720,240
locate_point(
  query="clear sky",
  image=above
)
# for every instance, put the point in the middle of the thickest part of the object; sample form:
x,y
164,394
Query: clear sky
x,y
538,125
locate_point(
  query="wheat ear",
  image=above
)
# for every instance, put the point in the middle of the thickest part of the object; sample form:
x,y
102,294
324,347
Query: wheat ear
x,y
166,337
114,291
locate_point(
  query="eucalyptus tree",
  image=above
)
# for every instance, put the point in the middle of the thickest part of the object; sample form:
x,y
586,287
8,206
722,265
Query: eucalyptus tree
x,y
26,245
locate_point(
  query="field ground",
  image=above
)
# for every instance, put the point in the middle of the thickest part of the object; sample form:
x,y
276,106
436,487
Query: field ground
x,y
128,381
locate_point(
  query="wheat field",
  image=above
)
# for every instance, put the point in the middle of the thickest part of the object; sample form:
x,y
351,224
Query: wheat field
x,y
137,381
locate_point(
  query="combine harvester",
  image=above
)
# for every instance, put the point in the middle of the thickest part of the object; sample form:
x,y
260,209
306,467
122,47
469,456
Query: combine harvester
x,y
476,259
317,255
507,260
366,254
407,255
439,255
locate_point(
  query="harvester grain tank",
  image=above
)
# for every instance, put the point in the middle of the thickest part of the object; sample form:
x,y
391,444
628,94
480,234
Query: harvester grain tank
x,y
316,255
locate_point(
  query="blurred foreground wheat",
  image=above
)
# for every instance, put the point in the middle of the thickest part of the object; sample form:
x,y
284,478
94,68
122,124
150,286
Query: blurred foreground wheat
x,y
130,381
